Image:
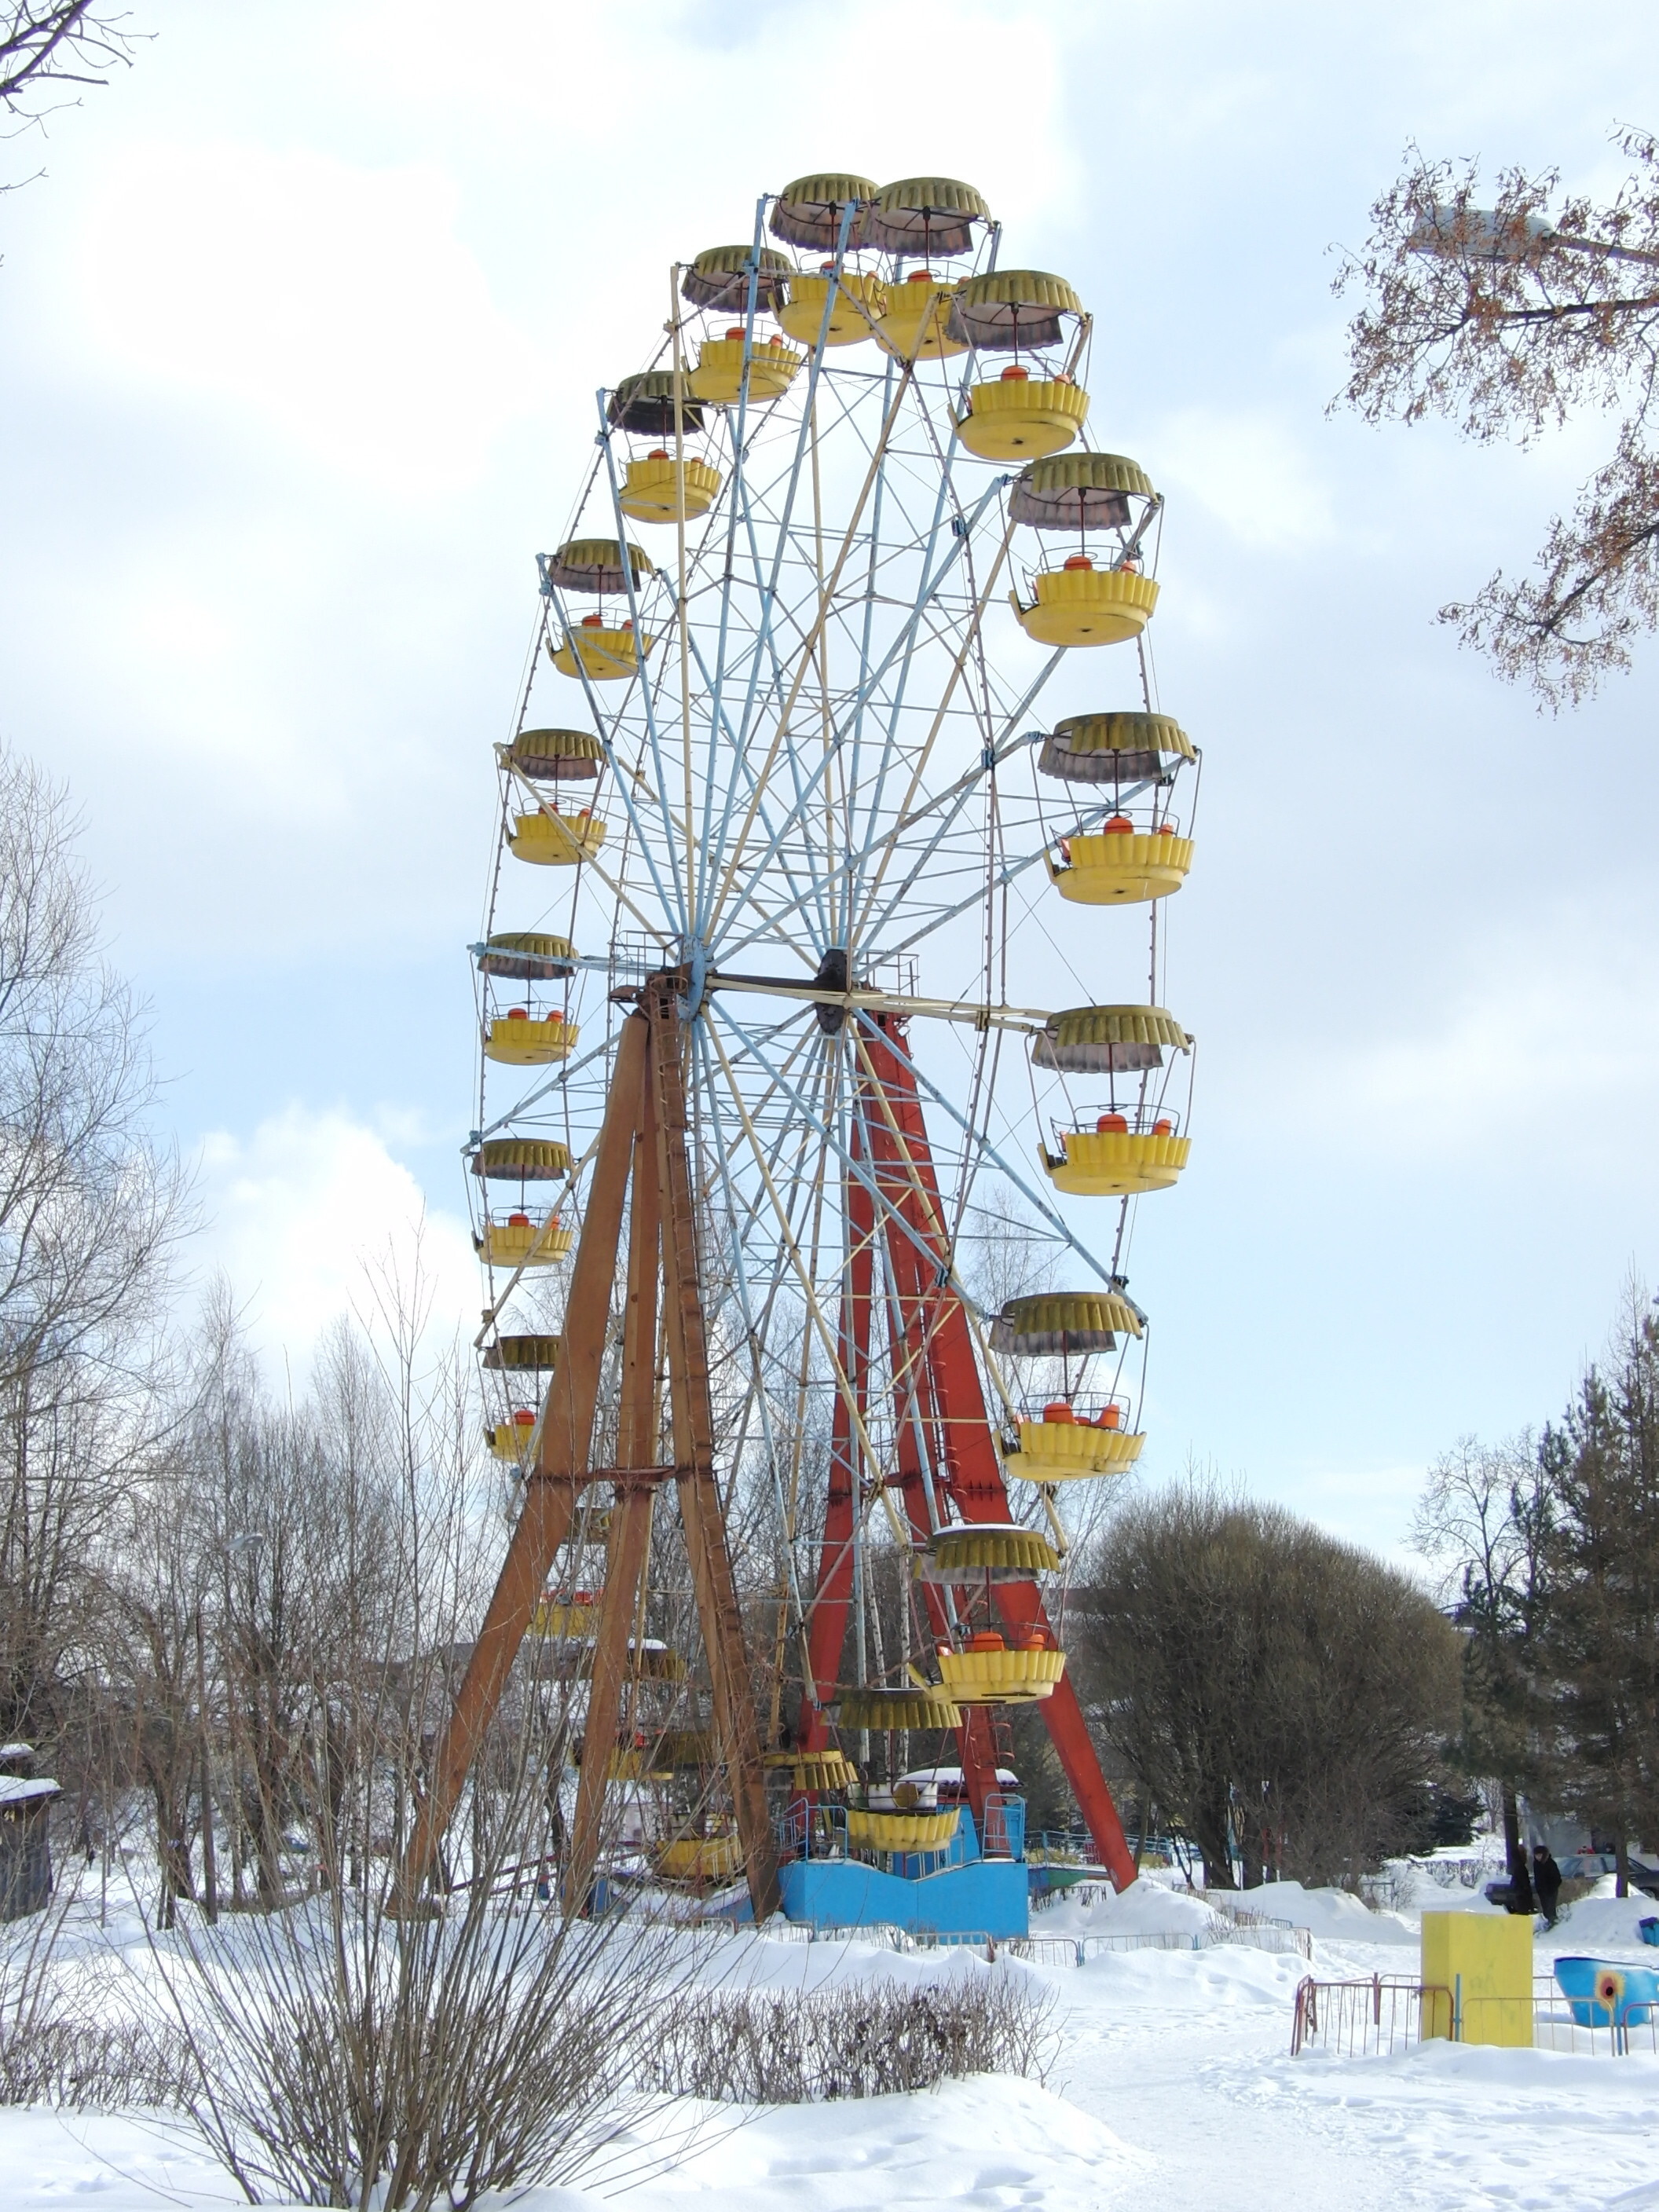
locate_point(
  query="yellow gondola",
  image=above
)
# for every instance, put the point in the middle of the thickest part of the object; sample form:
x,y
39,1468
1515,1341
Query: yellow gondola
x,y
1120,865
1061,1448
1112,1160
1018,416
902,1832
916,324
1079,603
557,1615
855,311
1085,602
651,488
718,375
603,654
649,406
519,1242
511,1439
700,1858
517,1041
990,1673
552,840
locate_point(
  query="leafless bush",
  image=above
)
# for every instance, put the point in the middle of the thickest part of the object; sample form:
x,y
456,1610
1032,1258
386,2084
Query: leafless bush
x,y
348,2058
860,2039
98,2063
77,2038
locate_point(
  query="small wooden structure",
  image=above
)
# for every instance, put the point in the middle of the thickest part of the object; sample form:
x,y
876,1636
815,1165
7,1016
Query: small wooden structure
x,y
25,1801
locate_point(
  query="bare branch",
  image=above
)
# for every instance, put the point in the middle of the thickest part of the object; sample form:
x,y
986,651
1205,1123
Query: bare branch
x,y
1506,322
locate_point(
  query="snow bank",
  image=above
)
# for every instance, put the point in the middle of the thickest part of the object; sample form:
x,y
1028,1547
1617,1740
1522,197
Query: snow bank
x,y
1185,1985
1335,1916
1144,1909
1601,1922
992,2141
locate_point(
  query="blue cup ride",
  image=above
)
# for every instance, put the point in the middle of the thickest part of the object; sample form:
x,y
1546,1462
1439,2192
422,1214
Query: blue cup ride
x,y
1604,1994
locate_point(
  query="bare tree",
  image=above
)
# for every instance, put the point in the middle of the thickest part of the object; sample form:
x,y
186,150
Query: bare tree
x,y
92,1211
52,50
1507,320
1485,1521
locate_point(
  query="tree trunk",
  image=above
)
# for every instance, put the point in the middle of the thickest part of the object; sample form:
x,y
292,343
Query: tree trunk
x,y
1514,1850
1621,1866
1213,1836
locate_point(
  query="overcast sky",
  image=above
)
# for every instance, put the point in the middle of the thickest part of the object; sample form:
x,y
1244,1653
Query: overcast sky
x,y
301,332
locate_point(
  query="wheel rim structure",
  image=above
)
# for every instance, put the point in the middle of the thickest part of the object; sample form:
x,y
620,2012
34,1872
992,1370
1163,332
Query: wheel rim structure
x,y
780,740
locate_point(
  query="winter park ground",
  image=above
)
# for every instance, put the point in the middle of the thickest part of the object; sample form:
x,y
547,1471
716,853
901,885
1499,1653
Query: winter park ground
x,y
1173,2086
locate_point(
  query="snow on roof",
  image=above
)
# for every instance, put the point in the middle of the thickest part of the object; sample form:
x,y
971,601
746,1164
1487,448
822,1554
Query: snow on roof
x,y
921,1776
14,1790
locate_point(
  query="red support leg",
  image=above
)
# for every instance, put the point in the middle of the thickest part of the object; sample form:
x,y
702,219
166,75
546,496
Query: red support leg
x,y
938,1331
826,1634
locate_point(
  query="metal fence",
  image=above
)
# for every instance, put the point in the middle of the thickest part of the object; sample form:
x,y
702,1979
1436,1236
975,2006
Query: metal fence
x,y
1254,1932
1374,2019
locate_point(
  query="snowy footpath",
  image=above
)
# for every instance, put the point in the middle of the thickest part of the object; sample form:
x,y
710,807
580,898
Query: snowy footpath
x,y
1173,2086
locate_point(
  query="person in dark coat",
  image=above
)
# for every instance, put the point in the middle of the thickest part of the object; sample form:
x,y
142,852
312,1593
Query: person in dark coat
x,y
1546,1880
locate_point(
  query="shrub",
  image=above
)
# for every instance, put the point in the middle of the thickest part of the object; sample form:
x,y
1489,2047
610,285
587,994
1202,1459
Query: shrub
x,y
859,2039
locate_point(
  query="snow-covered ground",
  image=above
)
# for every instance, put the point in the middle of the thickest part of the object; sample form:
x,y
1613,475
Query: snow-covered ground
x,y
1174,2087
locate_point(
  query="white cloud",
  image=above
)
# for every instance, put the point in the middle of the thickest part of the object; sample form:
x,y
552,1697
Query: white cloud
x,y
1248,472
306,1211
337,300
1541,1047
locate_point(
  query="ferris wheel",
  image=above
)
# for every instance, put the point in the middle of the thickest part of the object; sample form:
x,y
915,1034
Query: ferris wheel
x,y
783,789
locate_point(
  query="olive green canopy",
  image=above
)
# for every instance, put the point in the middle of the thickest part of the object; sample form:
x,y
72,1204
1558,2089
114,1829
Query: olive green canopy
x,y
926,215
520,1353
1097,1040
809,212
595,564
1008,308
522,1159
897,1709
645,405
718,279
1078,491
965,1553
1116,748
1064,1324
560,756
528,956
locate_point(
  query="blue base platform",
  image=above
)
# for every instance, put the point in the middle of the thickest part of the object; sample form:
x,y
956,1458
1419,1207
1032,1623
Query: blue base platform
x,y
986,1897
